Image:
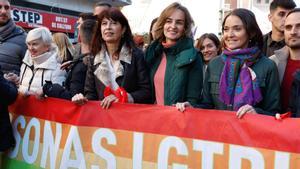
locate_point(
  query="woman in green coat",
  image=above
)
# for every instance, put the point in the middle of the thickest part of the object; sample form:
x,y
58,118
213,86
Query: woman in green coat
x,y
175,66
241,79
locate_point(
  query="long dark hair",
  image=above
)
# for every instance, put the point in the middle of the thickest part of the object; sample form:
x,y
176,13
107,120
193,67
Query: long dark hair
x,y
248,18
116,15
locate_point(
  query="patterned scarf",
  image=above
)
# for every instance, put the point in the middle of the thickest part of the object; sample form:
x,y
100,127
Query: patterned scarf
x,y
7,29
238,83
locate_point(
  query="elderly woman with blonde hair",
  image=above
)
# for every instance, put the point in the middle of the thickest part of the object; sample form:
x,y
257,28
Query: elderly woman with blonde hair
x,y
40,62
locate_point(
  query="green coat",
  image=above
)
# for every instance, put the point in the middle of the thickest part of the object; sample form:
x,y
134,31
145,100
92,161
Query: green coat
x,y
183,77
267,75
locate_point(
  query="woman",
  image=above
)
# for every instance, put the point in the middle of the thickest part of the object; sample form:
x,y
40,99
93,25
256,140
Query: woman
x,y
65,48
175,65
118,72
40,62
78,66
209,45
241,79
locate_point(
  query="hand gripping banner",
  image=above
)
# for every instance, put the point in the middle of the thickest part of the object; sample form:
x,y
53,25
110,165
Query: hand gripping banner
x,y
58,134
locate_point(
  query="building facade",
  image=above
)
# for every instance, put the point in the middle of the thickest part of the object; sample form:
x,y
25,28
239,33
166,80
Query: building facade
x,y
259,7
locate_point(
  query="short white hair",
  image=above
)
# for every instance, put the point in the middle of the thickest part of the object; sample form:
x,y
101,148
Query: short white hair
x,y
41,33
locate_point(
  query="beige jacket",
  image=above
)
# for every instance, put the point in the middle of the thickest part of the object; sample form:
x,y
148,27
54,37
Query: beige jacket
x,y
280,57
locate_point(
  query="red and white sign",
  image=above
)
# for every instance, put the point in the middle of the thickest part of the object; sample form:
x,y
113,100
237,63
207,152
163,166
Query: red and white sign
x,y
30,18
55,133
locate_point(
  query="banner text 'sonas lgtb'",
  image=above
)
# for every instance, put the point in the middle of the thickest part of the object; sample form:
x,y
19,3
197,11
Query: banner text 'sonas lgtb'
x,y
55,133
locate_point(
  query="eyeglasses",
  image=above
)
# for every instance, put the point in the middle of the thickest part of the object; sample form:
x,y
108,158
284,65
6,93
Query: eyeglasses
x,y
6,7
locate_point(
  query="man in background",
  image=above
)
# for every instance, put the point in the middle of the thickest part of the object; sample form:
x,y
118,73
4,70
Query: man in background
x,y
82,17
274,40
287,59
12,41
101,6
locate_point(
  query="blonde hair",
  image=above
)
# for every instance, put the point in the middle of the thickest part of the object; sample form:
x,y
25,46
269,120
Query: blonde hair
x,y
188,20
64,45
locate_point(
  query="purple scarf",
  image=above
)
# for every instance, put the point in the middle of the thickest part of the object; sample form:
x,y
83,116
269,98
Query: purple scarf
x,y
238,84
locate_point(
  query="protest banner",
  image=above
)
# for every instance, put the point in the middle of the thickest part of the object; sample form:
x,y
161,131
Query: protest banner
x,y
54,133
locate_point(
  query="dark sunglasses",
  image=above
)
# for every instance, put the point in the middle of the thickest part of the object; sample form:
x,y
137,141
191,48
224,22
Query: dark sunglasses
x,y
6,7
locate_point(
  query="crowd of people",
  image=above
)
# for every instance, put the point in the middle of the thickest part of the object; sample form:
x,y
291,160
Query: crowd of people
x,y
244,71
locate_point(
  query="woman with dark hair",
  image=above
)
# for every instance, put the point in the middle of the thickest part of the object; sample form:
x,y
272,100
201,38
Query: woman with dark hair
x,y
241,78
210,46
118,72
175,65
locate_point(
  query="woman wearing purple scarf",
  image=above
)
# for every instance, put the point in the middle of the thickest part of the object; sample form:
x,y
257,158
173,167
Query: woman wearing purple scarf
x,y
241,79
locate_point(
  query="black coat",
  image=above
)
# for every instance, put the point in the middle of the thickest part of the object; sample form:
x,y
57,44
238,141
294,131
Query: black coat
x,y
295,96
8,94
135,80
74,82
